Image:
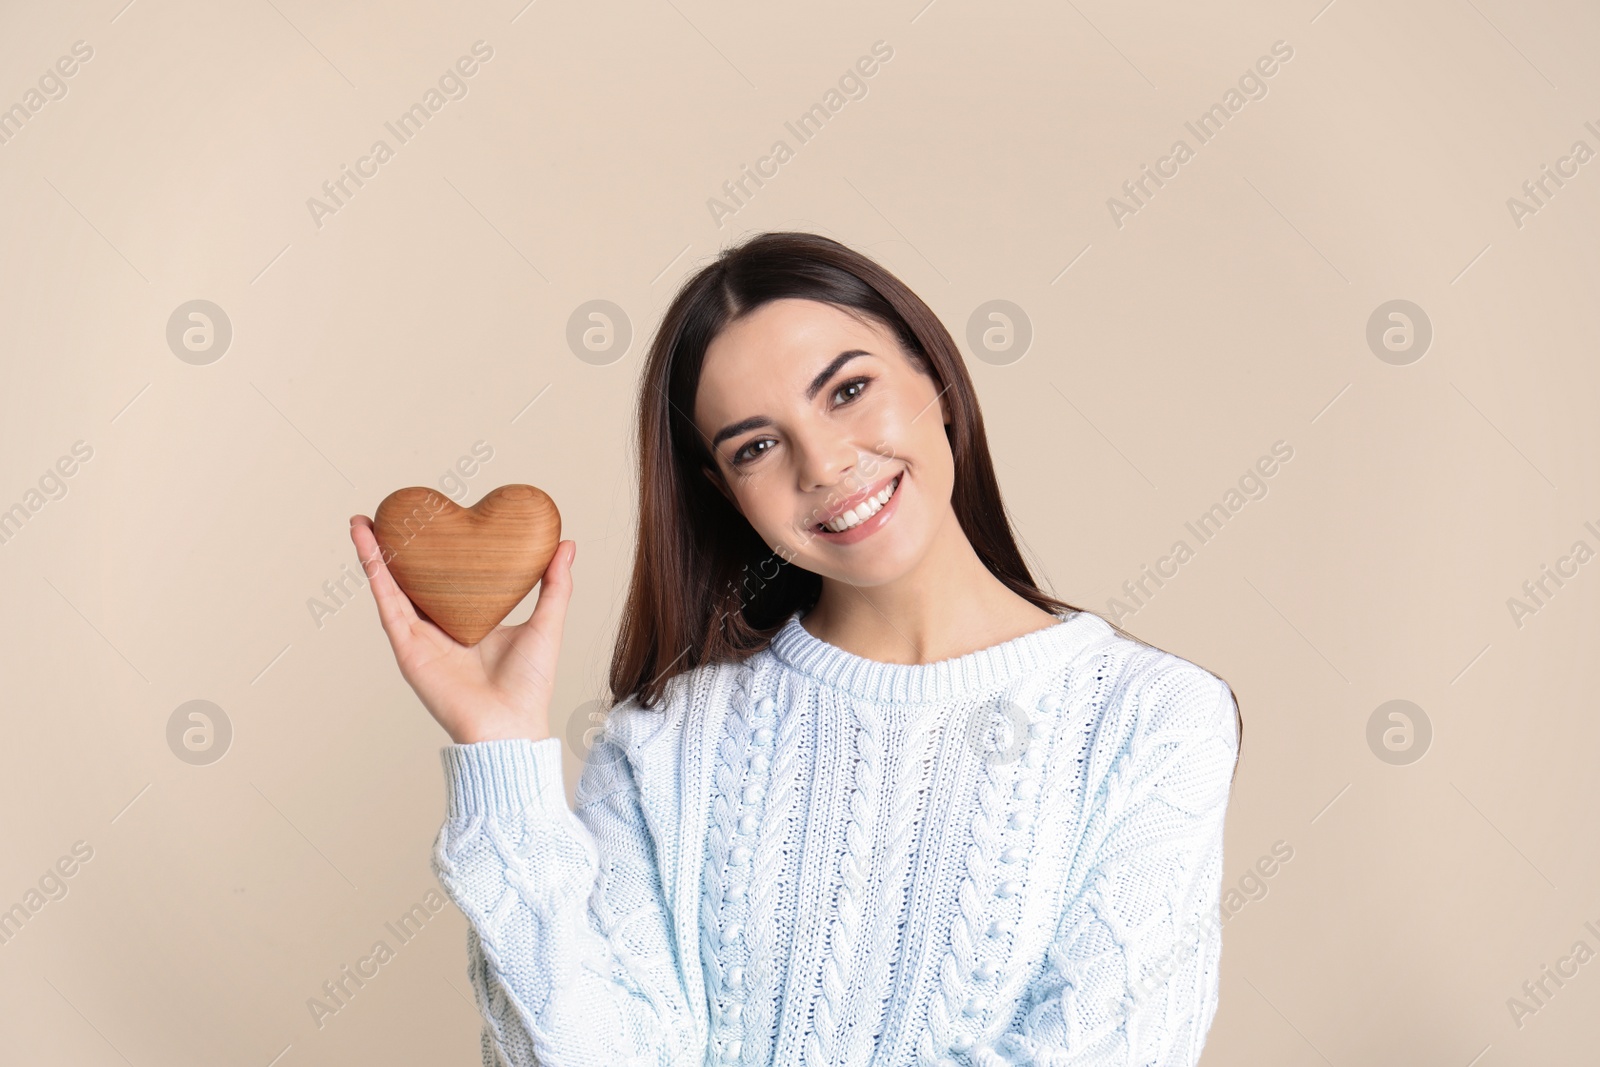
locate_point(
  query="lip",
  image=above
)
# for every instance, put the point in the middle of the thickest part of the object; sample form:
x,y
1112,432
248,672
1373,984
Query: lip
x,y
853,499
879,519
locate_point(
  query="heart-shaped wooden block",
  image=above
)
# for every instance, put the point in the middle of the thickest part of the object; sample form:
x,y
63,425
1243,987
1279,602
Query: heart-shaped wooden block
x,y
466,568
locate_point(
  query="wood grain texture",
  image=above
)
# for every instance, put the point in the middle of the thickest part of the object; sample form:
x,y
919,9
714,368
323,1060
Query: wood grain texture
x,y
466,568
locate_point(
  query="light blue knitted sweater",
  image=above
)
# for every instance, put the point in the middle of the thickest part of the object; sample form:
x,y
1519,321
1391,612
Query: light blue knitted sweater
x,y
811,858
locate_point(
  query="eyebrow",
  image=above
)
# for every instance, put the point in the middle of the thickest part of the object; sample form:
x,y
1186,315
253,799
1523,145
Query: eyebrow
x,y
755,422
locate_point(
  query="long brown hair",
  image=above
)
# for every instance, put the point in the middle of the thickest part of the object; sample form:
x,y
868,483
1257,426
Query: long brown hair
x,y
705,587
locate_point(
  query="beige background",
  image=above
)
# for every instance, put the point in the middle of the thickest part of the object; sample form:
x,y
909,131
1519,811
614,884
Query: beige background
x,y
1227,314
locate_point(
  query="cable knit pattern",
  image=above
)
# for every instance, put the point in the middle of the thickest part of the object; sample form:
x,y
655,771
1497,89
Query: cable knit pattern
x,y
736,799
761,1011
854,870
899,849
811,858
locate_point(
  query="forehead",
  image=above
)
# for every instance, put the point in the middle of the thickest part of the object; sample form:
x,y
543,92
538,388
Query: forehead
x,y
788,327
776,349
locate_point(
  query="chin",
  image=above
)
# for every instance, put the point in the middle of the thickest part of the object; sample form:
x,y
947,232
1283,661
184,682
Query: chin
x,y
864,564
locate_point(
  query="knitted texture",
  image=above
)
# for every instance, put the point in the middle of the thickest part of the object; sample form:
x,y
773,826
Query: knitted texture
x,y
811,858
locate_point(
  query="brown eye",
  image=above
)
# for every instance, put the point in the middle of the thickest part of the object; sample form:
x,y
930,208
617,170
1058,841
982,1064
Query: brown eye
x,y
852,383
744,455
850,391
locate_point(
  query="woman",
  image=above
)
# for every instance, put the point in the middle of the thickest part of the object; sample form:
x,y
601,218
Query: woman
x,y
869,796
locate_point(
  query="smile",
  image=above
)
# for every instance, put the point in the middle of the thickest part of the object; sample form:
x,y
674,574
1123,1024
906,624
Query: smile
x,y
864,517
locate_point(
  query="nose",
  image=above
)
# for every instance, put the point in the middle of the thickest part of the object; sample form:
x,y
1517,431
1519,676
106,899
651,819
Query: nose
x,y
826,457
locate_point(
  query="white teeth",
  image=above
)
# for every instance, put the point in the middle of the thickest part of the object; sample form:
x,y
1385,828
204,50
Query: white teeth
x,y
862,512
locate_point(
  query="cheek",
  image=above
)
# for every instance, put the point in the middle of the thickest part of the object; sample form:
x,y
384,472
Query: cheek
x,y
921,440
912,422
762,505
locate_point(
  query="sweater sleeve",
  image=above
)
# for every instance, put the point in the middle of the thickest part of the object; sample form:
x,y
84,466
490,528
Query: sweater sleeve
x,y
1131,977
569,948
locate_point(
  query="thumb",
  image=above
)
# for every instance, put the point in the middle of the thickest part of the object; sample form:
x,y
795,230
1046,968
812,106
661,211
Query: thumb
x,y
555,589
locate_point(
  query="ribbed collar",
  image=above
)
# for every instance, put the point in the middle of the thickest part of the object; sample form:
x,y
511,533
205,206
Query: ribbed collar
x,y
986,669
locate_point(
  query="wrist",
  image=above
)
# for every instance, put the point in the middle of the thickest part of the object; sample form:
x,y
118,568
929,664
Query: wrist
x,y
477,735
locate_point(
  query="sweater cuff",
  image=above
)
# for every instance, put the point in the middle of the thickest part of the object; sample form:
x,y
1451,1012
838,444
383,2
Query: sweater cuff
x,y
506,777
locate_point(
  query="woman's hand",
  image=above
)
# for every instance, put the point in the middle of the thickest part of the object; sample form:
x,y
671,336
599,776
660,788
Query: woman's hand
x,y
499,688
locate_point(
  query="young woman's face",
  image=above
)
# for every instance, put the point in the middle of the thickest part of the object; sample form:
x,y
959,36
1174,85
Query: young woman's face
x,y
812,414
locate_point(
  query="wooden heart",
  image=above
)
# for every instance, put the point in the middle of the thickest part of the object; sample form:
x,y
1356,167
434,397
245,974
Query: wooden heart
x,y
466,568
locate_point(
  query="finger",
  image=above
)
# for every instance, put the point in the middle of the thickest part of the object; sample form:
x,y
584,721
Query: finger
x,y
555,592
395,609
548,620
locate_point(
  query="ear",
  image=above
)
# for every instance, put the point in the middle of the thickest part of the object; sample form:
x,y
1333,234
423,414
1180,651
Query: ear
x,y
715,478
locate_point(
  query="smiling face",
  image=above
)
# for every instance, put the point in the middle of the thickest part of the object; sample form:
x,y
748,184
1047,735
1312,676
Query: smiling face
x,y
814,416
